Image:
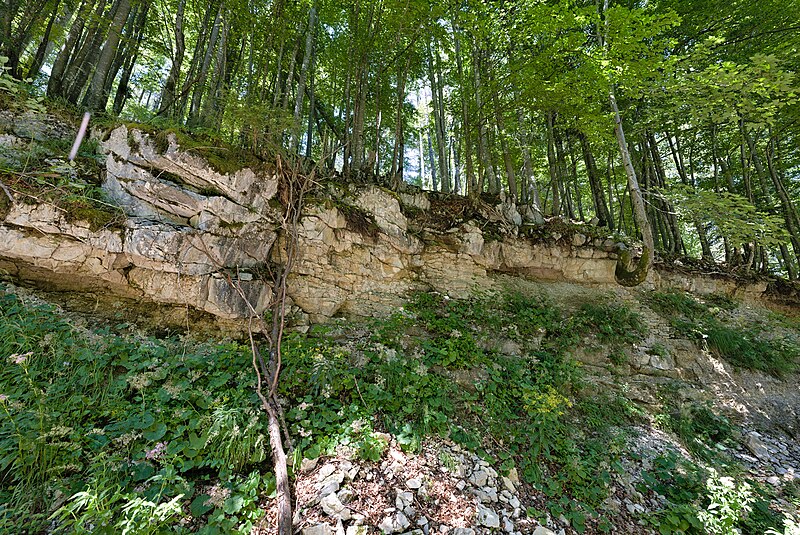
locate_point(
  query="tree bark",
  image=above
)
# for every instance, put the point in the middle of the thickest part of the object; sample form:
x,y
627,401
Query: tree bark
x,y
488,174
624,275
301,84
465,123
55,82
96,98
527,167
553,165
168,95
41,50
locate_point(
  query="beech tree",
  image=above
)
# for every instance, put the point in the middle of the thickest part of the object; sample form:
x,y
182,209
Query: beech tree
x,y
597,111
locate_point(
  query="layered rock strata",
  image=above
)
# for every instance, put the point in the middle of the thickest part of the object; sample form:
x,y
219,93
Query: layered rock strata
x,y
189,228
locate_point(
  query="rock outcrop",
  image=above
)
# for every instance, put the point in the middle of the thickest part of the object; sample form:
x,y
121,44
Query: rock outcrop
x,y
362,248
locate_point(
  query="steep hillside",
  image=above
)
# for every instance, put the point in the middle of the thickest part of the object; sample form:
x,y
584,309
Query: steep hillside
x,y
447,365
539,406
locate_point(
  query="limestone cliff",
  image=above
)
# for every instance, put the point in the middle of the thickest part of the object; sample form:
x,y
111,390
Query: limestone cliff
x,y
188,226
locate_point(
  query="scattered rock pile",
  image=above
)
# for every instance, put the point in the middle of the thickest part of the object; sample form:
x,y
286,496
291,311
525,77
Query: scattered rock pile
x,y
443,489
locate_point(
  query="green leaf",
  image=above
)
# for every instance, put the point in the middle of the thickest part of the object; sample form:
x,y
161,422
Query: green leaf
x,y
233,504
144,421
198,506
155,432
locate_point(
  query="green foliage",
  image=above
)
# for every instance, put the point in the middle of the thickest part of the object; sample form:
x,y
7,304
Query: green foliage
x,y
728,503
92,416
753,348
38,172
127,427
17,93
612,324
698,427
701,501
731,214
681,483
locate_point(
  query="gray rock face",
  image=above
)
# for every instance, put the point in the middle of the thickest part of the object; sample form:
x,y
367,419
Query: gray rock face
x,y
318,529
189,227
332,506
756,446
487,517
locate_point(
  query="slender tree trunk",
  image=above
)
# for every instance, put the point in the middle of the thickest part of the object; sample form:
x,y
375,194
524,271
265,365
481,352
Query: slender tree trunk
x,y
595,185
636,276
199,85
213,104
509,164
96,97
553,164
130,62
84,59
527,167
400,98
301,84
566,194
483,138
41,50
168,95
432,159
55,82
787,207
438,121
465,123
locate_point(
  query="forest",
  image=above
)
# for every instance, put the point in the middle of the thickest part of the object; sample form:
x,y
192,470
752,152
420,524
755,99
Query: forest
x,y
674,124
672,120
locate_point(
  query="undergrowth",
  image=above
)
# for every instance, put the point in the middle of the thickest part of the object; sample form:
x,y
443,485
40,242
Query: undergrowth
x,y
753,347
106,430
106,427
39,172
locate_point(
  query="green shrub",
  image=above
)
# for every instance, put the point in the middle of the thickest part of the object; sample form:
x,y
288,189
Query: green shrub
x,y
611,324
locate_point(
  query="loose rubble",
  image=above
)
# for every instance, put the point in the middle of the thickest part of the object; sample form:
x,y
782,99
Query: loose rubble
x,y
445,489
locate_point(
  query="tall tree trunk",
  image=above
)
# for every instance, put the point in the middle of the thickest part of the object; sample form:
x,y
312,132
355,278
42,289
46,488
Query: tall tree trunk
x,y
16,37
396,170
213,104
667,208
311,114
432,159
624,275
130,61
533,198
41,50
509,164
85,57
96,98
438,119
301,83
465,123
555,178
483,137
201,80
566,194
55,82
788,209
168,95
598,197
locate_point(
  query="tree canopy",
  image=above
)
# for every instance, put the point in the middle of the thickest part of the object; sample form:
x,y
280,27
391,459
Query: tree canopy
x,y
672,120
